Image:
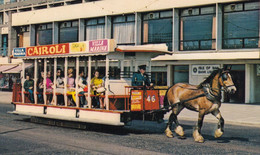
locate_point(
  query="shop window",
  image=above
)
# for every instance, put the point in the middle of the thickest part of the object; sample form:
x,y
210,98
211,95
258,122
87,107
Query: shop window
x,y
68,32
198,28
159,78
239,31
95,29
181,74
157,28
44,34
124,29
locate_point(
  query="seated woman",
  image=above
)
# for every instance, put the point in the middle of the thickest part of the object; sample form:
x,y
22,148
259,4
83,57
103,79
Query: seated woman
x,y
82,85
40,87
71,88
49,88
28,87
60,87
96,84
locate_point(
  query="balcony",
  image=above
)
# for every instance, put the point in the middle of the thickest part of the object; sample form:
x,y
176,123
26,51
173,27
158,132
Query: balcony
x,y
238,43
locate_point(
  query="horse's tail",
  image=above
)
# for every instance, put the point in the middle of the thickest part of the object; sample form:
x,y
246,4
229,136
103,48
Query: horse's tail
x,y
165,100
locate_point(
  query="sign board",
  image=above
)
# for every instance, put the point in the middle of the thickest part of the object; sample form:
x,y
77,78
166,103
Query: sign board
x,y
19,52
98,46
203,69
47,50
78,47
93,46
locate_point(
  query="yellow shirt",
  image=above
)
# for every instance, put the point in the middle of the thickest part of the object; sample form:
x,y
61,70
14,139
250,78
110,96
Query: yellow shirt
x,y
97,82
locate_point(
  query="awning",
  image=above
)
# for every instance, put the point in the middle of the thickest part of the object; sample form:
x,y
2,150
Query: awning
x,y
7,67
157,48
18,68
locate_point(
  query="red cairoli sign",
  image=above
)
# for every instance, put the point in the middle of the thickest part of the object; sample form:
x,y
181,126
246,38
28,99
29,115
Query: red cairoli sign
x,y
47,50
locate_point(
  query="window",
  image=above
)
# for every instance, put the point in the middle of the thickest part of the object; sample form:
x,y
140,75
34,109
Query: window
x,y
181,74
198,28
68,32
1,18
23,36
4,45
157,28
159,75
159,78
95,29
124,29
239,30
44,34
1,2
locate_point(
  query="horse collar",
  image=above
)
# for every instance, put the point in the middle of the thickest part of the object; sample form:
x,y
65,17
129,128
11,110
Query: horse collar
x,y
208,91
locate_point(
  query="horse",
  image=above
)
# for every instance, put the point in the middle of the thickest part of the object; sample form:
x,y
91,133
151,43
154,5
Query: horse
x,y
203,98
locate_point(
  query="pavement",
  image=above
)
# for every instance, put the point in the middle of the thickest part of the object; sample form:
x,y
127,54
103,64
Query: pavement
x,y
233,113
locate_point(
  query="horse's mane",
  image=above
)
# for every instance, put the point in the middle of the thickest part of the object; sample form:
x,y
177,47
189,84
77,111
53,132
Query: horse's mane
x,y
209,78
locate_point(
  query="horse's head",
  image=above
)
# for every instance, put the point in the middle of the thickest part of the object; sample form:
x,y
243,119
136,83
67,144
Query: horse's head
x,y
226,81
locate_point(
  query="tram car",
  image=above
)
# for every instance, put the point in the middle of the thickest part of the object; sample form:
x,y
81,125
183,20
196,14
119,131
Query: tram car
x,y
52,77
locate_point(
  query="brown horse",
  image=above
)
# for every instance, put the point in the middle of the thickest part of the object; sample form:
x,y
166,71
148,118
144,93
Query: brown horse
x,y
204,98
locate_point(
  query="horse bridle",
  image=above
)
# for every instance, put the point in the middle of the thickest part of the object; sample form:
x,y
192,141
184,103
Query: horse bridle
x,y
224,77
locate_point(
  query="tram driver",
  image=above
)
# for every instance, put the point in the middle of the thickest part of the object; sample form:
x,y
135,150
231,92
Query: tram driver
x,y
141,78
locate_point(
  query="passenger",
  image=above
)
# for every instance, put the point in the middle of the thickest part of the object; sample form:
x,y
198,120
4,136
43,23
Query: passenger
x,y
71,88
141,78
82,85
60,87
96,85
28,87
49,89
40,86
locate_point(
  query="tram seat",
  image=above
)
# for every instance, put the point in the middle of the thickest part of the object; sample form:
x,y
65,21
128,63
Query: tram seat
x,y
118,102
26,97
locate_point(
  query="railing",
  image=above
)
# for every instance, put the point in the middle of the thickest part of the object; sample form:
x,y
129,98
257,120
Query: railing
x,y
237,43
3,51
207,44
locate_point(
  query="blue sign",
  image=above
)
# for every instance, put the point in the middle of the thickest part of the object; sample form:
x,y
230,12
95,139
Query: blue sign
x,y
19,52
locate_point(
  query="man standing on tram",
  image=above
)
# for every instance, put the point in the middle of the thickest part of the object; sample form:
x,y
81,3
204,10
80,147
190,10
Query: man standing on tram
x,y
141,78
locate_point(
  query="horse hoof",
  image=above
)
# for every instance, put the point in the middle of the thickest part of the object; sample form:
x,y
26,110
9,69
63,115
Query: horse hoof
x,y
168,133
179,131
197,137
218,133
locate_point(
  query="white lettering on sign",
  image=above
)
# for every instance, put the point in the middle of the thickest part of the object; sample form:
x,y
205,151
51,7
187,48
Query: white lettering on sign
x,y
203,69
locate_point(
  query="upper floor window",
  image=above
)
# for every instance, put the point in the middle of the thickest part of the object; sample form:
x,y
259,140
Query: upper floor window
x,y
241,25
23,36
44,34
68,31
157,28
124,29
198,28
13,1
95,29
1,2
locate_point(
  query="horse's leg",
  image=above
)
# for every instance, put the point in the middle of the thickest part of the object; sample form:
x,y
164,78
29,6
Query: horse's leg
x,y
219,132
168,131
197,131
178,129
173,118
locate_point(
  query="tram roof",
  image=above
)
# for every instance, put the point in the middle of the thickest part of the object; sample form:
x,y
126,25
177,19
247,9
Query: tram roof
x,y
86,48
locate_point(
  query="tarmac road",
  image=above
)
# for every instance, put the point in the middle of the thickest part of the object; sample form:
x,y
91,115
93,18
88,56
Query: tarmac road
x,y
19,136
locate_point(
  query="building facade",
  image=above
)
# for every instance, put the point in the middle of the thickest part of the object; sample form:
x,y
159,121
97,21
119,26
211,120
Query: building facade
x,y
202,35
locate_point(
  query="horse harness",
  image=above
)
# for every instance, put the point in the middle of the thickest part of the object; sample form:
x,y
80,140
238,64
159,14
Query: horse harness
x,y
208,92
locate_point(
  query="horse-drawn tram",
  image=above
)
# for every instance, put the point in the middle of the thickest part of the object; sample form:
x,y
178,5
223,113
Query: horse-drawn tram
x,y
88,81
